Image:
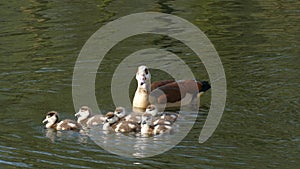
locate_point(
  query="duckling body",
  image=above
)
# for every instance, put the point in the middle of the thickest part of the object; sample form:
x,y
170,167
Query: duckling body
x,y
126,127
133,117
52,121
119,125
147,127
161,117
95,120
85,117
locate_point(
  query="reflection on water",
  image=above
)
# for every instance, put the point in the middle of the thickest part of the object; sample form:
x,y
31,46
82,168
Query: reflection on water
x,y
258,42
54,135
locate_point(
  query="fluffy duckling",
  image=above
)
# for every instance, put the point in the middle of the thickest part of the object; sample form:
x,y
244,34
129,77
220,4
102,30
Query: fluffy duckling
x,y
148,129
161,117
120,112
52,121
110,121
85,117
114,123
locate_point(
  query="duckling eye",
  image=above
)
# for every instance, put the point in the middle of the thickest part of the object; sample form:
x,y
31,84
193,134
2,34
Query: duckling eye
x,y
146,71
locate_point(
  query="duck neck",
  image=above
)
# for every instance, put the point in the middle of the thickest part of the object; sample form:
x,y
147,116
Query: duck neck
x,y
142,92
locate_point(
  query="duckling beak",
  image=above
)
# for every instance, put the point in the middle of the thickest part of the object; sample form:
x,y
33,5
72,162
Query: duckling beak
x,y
77,114
45,121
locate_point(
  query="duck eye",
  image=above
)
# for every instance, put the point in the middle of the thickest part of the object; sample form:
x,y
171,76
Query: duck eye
x,y
146,71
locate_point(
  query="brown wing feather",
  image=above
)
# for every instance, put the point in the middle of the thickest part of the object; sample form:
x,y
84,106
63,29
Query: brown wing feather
x,y
66,122
157,84
174,91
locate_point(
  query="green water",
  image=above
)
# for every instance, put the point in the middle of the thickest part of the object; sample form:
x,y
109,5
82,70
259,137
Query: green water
x,y
257,41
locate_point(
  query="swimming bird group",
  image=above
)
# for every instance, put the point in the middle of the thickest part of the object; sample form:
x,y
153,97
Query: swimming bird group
x,y
149,97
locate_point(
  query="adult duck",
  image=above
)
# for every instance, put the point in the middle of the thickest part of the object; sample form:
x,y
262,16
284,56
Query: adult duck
x,y
168,92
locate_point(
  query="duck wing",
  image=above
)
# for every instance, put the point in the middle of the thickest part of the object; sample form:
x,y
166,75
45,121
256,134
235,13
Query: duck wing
x,y
175,91
157,84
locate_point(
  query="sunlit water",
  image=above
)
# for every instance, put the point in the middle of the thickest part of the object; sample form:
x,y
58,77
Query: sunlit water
x,y
258,43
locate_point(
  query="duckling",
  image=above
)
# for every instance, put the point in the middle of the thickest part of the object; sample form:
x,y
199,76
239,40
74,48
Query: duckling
x,y
120,112
127,127
110,122
85,118
152,109
114,123
148,129
161,117
169,116
51,121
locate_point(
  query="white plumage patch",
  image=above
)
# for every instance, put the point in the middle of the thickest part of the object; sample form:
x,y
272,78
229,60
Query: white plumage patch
x,y
58,127
164,122
92,118
173,116
127,117
106,126
145,129
158,130
118,127
155,130
72,125
167,122
131,125
89,121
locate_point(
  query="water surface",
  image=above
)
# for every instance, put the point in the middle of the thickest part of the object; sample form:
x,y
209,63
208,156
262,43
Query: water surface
x,y
258,43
